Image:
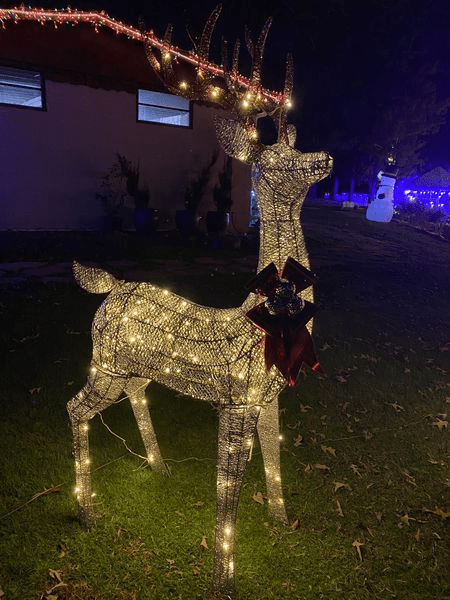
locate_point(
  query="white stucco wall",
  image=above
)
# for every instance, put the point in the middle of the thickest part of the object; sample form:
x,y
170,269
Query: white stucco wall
x,y
51,162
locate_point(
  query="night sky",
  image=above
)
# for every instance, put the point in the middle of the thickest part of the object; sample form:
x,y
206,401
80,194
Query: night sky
x,y
369,73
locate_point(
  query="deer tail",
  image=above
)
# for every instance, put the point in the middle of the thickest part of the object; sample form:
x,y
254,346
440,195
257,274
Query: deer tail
x,y
93,280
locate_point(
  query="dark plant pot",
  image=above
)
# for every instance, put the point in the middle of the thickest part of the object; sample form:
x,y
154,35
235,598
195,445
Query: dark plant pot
x,y
145,220
217,222
113,223
185,221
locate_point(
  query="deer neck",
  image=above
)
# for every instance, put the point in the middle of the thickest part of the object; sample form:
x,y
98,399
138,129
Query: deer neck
x,y
281,233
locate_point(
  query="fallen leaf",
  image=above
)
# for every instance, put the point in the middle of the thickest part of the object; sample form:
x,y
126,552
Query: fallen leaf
x,y
410,479
298,441
258,497
367,435
304,408
405,520
338,485
308,469
56,575
26,338
395,406
339,508
204,543
418,535
2,593
322,468
328,450
357,545
355,470
58,586
440,513
199,503
295,525
379,516
440,424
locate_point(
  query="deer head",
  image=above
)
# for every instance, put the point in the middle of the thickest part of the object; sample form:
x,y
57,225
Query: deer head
x,y
280,172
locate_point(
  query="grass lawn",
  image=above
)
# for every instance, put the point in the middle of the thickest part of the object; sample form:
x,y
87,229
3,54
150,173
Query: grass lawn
x,y
365,456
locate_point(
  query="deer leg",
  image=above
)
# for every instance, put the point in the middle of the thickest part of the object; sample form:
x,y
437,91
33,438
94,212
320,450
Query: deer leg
x,y
269,440
236,430
136,391
83,489
99,392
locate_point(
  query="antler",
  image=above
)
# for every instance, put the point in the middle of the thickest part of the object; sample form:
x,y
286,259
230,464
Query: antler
x,y
244,97
280,114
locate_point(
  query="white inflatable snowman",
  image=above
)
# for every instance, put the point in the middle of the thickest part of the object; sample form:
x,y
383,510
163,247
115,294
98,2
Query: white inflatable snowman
x,y
381,208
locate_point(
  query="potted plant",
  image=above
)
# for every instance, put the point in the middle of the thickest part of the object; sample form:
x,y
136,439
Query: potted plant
x,y
144,217
217,221
112,194
193,194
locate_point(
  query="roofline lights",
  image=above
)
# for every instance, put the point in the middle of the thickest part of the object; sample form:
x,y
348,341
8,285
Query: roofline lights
x,y
102,19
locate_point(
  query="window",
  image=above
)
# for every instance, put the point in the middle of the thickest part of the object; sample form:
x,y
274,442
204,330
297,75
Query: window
x,y
155,107
21,88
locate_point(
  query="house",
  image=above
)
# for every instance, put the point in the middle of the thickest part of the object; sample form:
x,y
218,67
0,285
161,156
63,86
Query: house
x,y
76,89
431,189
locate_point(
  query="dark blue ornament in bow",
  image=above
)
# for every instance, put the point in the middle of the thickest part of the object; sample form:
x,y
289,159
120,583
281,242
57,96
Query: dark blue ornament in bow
x,y
283,316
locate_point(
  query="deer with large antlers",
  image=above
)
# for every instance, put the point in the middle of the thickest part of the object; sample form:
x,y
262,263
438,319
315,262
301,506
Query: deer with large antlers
x,y
237,358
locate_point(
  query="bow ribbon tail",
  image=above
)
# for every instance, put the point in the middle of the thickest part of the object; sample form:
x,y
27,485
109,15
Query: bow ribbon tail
x,y
288,350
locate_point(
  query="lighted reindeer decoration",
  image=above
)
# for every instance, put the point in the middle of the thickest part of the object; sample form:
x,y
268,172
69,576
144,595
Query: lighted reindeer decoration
x,y
142,333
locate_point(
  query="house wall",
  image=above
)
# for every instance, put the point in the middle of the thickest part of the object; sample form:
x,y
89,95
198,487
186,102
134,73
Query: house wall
x,y
52,161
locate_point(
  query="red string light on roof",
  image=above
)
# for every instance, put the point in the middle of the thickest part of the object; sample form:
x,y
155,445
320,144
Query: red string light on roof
x,y
70,16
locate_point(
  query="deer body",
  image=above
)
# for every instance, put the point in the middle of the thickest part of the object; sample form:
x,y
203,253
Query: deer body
x,y
196,350
142,333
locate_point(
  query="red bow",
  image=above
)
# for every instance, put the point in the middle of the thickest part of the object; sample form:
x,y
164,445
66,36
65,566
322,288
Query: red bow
x,y
283,317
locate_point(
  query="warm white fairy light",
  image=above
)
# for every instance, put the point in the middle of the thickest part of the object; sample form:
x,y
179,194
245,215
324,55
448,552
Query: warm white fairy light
x,y
143,333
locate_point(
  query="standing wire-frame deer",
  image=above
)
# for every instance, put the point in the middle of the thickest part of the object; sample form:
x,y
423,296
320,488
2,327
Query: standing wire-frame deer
x,y
142,333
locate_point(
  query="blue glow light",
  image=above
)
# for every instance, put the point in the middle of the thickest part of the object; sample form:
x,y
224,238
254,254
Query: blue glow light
x,y
432,198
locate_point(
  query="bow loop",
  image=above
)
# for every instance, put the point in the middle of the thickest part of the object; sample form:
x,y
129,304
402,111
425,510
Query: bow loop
x,y
283,316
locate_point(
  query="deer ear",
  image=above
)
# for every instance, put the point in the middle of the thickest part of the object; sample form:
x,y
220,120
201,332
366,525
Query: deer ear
x,y
291,134
235,140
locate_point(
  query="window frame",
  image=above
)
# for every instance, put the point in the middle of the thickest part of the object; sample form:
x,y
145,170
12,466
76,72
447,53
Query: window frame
x,y
42,89
189,111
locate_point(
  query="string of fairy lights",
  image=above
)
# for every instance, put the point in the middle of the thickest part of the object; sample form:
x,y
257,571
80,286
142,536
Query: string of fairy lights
x,y
99,20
